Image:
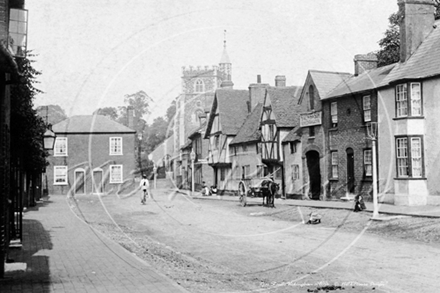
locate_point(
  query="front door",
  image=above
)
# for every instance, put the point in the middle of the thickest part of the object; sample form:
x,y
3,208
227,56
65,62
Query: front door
x,y
97,181
350,170
314,174
79,182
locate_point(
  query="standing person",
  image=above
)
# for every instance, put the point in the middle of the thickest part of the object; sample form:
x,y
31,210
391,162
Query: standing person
x,y
145,186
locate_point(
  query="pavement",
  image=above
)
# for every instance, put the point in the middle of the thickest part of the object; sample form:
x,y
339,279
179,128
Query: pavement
x,y
385,210
61,253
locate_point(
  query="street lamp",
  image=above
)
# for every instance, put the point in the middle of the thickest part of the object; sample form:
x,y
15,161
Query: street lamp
x,y
139,152
372,129
193,157
49,138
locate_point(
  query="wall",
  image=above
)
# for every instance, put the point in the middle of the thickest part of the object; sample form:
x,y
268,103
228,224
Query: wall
x,y
349,133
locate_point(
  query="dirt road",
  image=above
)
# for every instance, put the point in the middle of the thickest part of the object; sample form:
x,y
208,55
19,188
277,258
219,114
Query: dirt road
x,y
219,246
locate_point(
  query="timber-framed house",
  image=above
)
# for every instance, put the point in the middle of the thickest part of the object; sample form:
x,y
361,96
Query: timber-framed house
x,y
277,120
229,111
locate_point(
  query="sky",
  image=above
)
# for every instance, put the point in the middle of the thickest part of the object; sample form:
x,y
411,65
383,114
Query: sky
x,y
94,52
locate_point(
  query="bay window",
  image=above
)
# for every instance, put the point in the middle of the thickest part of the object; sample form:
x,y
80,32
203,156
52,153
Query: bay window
x,y
409,157
409,100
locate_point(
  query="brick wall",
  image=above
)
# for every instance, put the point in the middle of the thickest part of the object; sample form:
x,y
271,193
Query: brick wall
x,y
349,133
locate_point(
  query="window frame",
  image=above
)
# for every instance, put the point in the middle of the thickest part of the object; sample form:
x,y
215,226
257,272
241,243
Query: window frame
x,y
56,175
111,173
334,164
293,147
368,154
114,151
334,114
199,86
410,157
56,152
366,108
295,172
405,95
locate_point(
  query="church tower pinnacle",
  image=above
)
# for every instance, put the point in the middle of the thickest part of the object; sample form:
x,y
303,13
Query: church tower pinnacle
x,y
226,67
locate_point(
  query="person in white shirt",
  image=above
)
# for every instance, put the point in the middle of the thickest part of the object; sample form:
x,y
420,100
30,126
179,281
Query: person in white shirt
x,y
145,186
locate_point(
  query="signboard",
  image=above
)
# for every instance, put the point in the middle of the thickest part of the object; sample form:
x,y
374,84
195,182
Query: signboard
x,y
310,119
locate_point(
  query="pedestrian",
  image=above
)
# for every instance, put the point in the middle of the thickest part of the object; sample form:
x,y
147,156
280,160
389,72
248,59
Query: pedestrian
x,y
359,204
214,190
205,189
145,186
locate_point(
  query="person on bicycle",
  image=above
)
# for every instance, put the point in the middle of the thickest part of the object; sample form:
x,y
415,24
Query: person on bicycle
x,y
145,186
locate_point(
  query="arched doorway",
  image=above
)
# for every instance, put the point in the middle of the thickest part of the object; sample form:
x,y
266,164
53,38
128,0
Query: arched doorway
x,y
80,178
314,174
350,170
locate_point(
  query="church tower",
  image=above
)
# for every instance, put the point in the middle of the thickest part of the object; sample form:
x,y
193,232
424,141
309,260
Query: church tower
x,y
226,68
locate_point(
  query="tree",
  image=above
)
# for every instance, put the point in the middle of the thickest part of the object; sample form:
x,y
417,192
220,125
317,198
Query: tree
x,y
54,113
389,51
156,134
110,112
27,128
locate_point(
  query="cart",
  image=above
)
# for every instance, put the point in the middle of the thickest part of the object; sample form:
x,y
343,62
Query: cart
x,y
265,188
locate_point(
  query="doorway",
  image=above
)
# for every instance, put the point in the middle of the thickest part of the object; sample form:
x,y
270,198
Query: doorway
x,y
80,181
350,170
98,183
314,174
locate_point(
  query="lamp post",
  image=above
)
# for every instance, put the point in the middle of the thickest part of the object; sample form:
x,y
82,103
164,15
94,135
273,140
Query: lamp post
x,y
139,152
193,157
372,128
154,174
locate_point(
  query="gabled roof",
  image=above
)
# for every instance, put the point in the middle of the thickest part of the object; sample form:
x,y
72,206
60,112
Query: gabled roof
x,y
250,132
326,81
90,124
232,109
284,101
293,135
368,80
425,61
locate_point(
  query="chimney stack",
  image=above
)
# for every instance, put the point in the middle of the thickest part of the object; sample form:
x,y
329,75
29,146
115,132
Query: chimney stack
x,y
257,91
416,22
280,81
363,62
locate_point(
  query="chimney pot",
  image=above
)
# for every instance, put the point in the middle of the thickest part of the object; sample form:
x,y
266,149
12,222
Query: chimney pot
x,y
258,78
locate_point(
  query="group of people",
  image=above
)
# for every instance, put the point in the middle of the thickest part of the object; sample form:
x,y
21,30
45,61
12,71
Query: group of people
x,y
208,191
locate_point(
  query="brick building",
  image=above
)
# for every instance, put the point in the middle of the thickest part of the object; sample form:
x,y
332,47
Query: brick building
x,y
92,154
347,111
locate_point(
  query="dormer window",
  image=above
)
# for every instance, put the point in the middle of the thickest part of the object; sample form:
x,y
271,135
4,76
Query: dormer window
x,y
200,86
408,100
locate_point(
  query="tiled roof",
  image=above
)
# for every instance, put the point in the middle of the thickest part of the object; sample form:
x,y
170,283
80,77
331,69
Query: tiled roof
x,y
370,79
250,132
326,81
284,101
90,124
232,108
293,135
425,62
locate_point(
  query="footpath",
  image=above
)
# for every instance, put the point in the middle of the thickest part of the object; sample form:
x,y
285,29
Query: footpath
x,y
61,253
385,210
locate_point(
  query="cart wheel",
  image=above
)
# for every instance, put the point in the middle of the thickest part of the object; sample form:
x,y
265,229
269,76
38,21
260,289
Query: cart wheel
x,y
242,193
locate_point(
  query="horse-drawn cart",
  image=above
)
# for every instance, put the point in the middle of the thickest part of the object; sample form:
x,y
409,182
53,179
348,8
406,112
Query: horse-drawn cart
x,y
262,187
